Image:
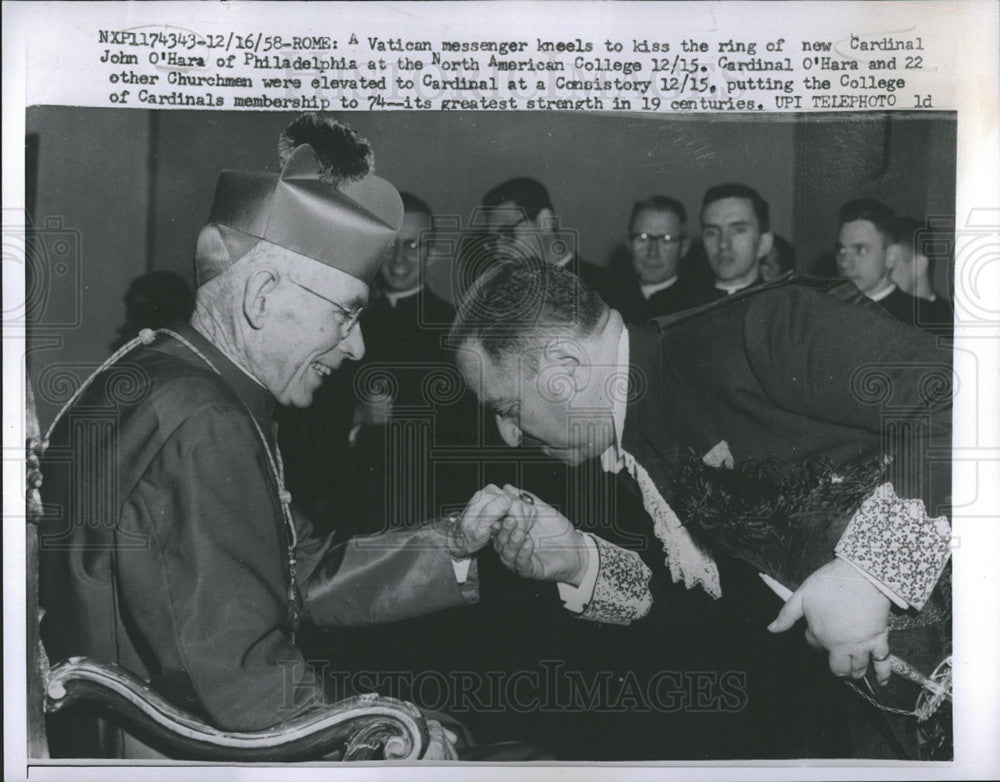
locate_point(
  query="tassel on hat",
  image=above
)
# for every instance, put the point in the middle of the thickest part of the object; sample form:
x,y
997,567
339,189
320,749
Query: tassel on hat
x,y
342,154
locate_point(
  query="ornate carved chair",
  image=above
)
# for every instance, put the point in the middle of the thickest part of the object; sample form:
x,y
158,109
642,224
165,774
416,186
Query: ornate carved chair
x,y
358,728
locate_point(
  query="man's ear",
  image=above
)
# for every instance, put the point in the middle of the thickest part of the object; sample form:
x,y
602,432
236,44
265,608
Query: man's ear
x,y
765,244
544,220
564,350
893,255
685,246
259,286
570,357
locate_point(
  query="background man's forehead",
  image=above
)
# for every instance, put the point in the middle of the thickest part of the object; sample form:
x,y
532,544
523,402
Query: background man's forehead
x,y
732,206
731,219
860,231
507,213
735,220
657,214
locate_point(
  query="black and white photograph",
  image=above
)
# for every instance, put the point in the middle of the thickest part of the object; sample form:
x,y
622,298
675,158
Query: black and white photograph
x,y
453,441
495,438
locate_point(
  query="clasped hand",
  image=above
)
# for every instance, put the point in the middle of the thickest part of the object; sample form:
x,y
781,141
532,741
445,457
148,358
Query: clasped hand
x,y
531,537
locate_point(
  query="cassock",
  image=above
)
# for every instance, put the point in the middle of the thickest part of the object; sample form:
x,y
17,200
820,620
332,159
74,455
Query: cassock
x,y
406,355
407,331
708,290
600,278
166,549
628,297
935,316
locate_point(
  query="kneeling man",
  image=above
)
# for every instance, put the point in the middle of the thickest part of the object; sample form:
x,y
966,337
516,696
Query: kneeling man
x,y
782,392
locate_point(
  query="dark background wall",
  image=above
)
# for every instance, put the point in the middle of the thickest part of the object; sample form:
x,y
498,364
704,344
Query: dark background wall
x,y
137,185
594,166
92,188
907,163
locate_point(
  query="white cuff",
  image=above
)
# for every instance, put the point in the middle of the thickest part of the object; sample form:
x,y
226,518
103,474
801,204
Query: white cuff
x,y
461,569
897,545
575,599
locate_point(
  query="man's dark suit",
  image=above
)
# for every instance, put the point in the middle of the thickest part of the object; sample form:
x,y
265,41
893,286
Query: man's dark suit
x,y
625,295
770,371
933,316
788,373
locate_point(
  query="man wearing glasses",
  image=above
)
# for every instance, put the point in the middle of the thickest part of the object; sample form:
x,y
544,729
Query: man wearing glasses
x,y
657,242
178,555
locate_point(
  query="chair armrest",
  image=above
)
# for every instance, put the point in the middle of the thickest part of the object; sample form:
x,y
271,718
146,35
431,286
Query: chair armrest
x,y
363,727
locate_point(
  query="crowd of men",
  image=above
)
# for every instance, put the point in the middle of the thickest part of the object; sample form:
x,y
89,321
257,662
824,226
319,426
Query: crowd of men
x,y
398,399
671,266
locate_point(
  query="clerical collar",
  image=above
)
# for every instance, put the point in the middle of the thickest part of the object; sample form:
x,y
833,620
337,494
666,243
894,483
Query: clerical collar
x,y
731,288
394,297
655,287
882,294
611,459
